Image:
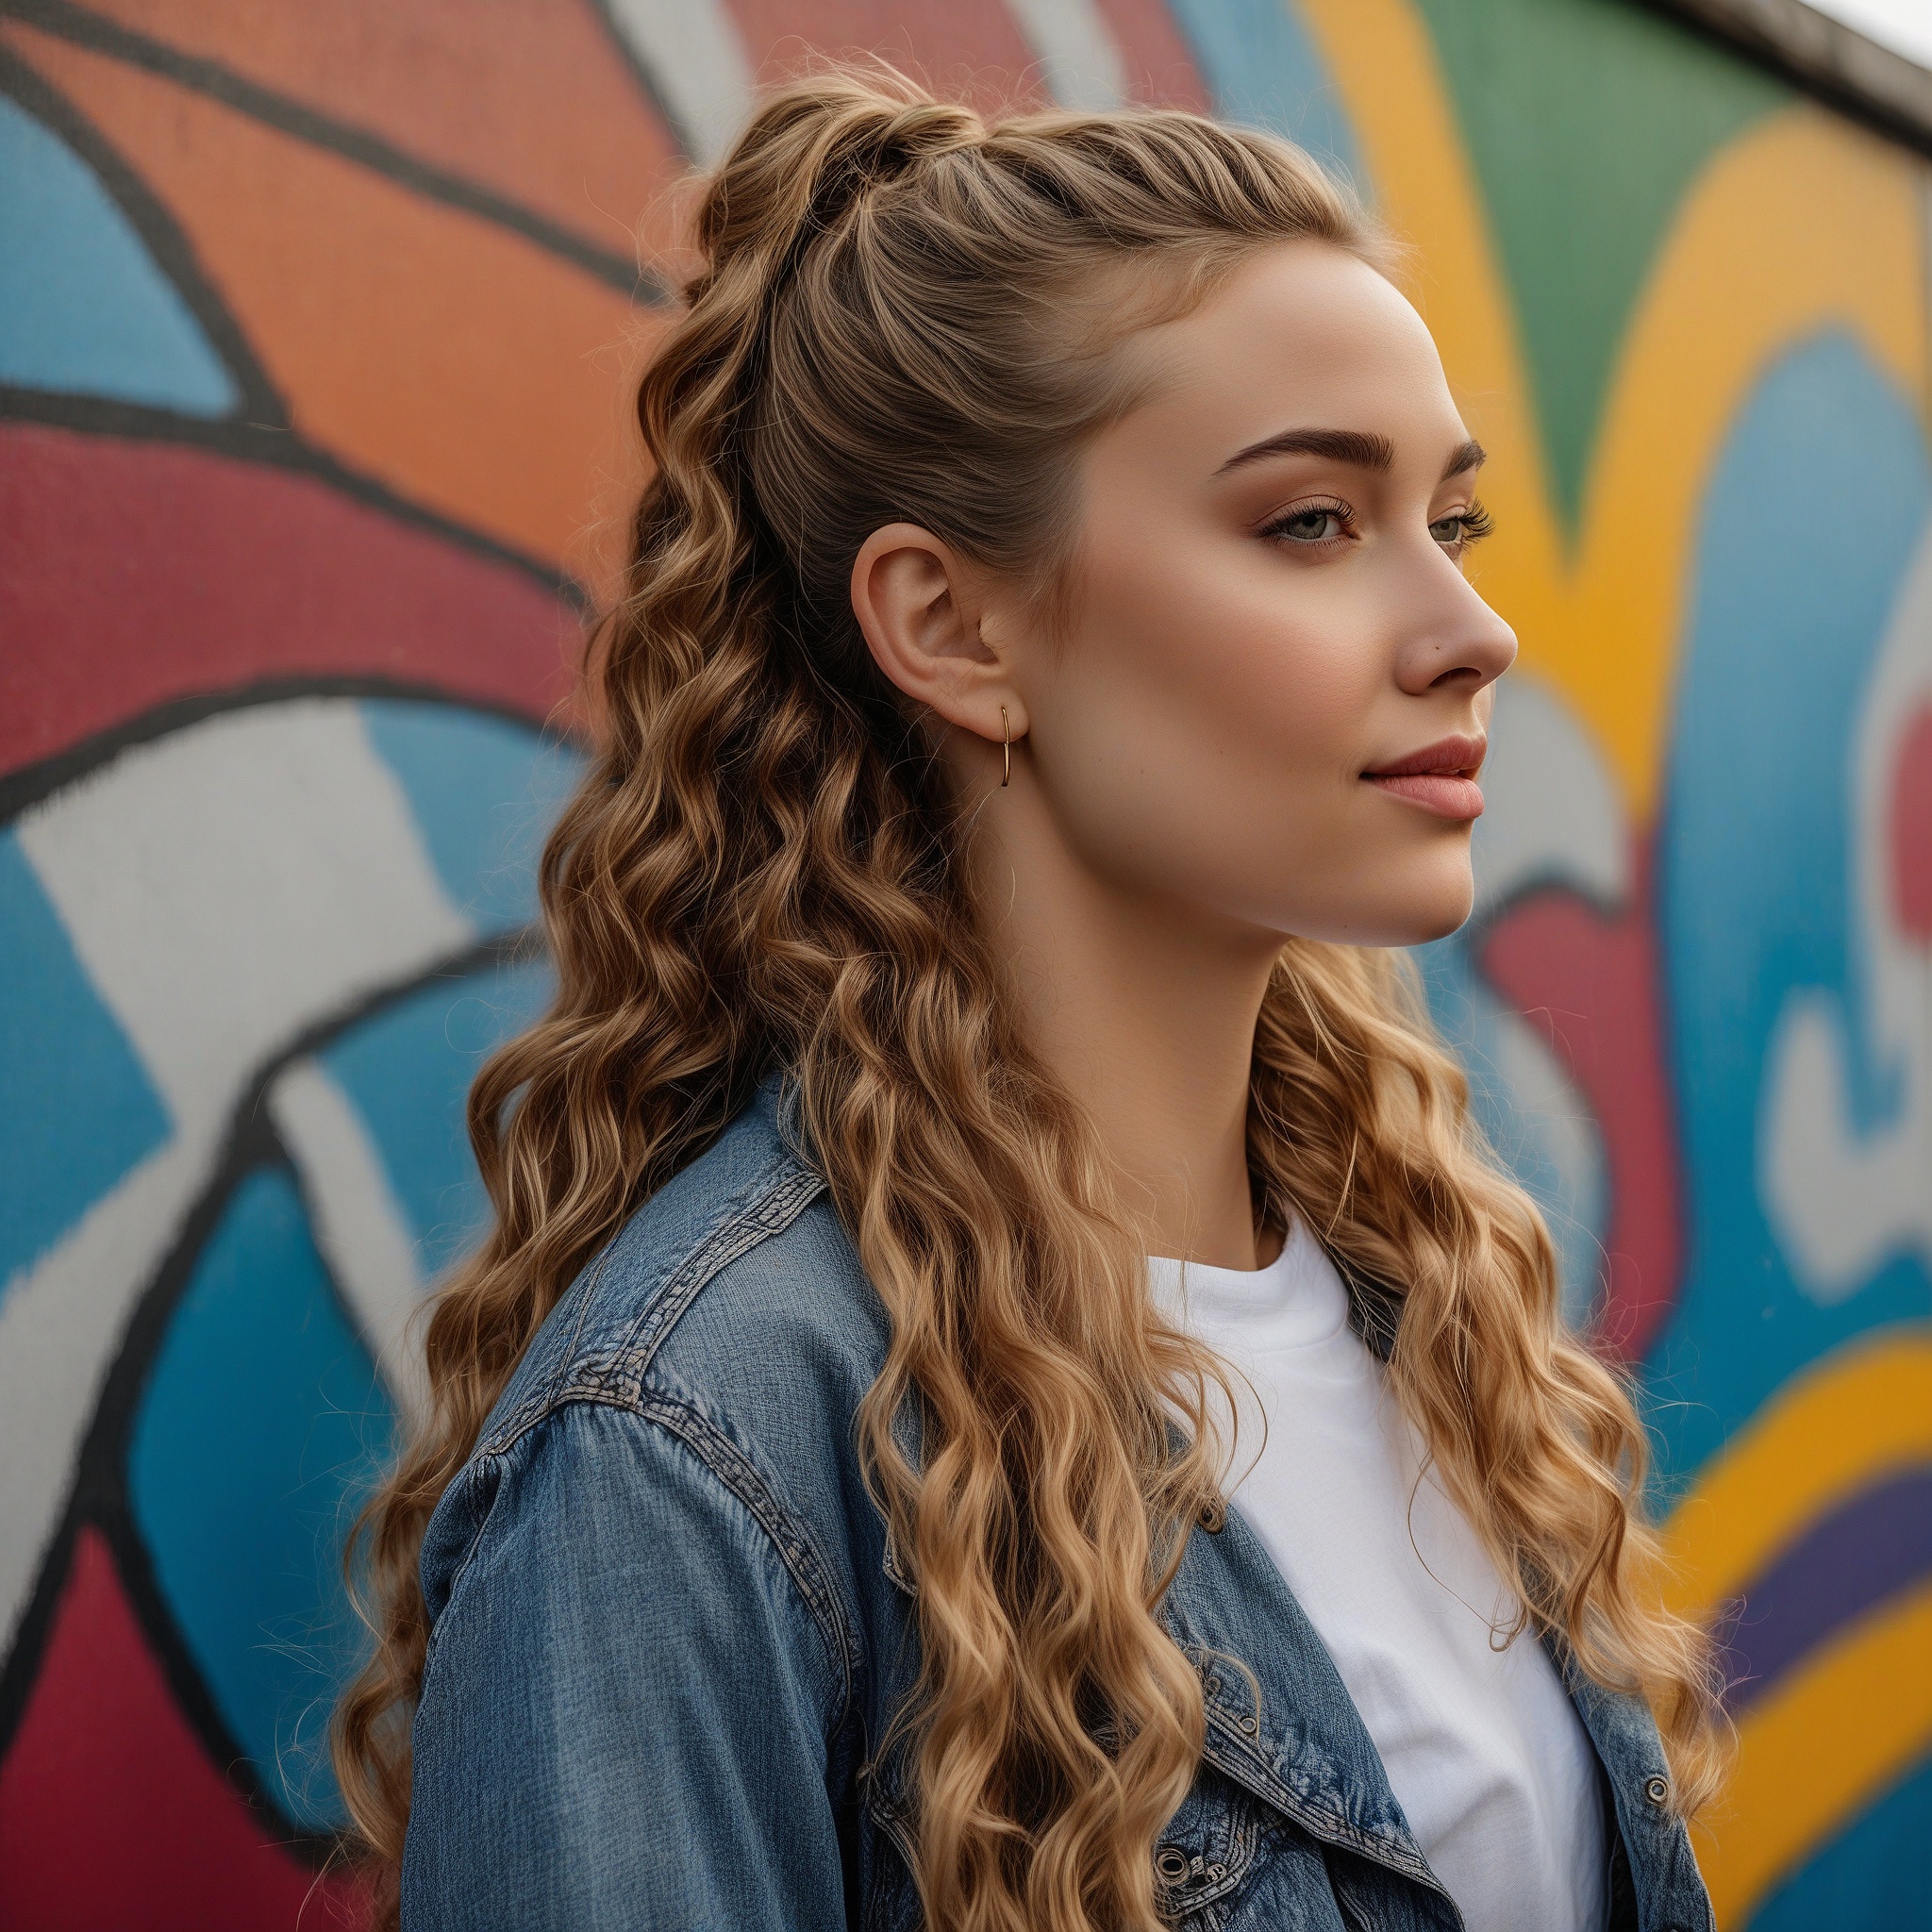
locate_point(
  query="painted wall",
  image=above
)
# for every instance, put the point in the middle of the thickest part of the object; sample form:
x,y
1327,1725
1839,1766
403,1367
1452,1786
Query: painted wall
x,y
313,328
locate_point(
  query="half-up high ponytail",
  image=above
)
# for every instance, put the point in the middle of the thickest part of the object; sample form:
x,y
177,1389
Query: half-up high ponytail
x,y
906,312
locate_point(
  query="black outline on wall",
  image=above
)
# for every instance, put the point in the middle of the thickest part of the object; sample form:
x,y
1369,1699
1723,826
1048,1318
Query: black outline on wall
x,y
261,430
294,117
260,405
266,447
98,1493
25,787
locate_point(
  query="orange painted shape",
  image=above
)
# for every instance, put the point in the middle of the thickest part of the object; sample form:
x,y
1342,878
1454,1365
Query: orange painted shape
x,y
465,368
536,103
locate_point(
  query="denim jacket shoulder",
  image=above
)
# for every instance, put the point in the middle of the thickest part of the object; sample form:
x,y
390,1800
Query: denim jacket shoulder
x,y
667,1636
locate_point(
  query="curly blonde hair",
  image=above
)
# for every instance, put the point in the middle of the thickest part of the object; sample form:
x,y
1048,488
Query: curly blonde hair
x,y
908,311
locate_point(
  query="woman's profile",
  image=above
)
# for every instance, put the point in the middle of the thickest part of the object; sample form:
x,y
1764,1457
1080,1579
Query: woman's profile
x,y
1004,1390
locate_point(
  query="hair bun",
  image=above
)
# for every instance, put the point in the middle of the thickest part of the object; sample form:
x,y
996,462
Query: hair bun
x,y
811,150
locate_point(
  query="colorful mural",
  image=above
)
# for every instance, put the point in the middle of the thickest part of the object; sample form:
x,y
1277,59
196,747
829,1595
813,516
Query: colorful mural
x,y
314,325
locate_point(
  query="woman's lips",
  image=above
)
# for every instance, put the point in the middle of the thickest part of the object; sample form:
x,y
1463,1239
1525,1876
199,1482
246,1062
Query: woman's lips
x,y
1440,777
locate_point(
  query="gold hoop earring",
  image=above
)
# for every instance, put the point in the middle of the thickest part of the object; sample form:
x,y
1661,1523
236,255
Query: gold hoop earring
x,y
1005,746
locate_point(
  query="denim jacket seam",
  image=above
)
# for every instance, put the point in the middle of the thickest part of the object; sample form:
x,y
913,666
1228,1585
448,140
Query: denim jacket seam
x,y
736,1471
478,1520
764,1206
566,1357
1329,1824
1244,1760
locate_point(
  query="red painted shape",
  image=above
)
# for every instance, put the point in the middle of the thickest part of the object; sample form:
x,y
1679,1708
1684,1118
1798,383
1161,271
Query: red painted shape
x,y
1909,830
111,1816
140,571
978,51
1588,982
1160,66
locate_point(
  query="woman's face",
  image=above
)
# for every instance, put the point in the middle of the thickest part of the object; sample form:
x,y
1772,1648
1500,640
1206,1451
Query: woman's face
x,y
1271,699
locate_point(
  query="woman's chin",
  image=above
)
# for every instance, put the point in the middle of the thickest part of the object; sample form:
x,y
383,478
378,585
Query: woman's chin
x,y
1433,909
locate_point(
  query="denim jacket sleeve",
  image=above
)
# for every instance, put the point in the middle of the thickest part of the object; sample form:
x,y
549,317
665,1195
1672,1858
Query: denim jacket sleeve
x,y
627,1704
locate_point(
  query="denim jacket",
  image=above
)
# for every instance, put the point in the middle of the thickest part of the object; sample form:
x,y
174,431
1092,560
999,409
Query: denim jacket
x,y
667,1635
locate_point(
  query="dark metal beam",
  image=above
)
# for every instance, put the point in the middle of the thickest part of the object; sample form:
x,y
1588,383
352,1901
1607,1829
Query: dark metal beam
x,y
1826,57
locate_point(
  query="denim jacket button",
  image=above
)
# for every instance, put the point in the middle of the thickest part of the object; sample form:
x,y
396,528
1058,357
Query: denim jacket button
x,y
1249,1725
1171,1863
1656,1789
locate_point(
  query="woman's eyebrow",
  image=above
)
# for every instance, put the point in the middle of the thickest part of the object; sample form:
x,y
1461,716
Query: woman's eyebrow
x,y
1361,448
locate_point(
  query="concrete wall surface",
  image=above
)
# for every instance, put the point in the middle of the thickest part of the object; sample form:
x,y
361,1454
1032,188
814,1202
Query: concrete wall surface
x,y
314,326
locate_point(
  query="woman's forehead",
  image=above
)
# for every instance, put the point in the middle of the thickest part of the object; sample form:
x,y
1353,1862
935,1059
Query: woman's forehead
x,y
1304,334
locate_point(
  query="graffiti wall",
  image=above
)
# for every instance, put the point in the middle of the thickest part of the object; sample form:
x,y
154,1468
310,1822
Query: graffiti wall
x,y
314,325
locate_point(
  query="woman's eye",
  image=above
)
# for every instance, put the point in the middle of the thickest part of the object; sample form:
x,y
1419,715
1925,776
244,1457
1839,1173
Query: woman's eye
x,y
1320,524
1466,526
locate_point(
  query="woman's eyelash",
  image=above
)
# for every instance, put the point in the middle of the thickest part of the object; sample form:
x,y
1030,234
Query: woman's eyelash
x,y
1476,522
1473,523
1281,525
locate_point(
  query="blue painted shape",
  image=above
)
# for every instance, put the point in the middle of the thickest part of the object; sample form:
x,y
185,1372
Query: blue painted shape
x,y
1471,1019
1811,517
485,792
1878,1874
84,309
80,1110
1264,72
407,1071
261,1428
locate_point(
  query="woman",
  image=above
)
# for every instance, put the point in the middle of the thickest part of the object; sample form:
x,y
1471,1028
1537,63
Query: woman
x,y
1046,686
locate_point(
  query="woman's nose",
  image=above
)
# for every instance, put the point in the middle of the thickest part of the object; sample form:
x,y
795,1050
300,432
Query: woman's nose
x,y
1455,641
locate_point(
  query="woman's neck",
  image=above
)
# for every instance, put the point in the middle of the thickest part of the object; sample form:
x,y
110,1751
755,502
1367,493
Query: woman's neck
x,y
1146,1013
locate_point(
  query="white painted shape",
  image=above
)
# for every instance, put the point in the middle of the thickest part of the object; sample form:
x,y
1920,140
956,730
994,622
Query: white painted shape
x,y
225,886
60,1327
1552,812
691,51
233,881
1840,1208
360,1225
1843,1201
1082,62
1561,1131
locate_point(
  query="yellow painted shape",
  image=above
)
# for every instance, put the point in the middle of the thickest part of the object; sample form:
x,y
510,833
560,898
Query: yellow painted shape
x,y
1384,62
1837,1428
1822,1746
1802,223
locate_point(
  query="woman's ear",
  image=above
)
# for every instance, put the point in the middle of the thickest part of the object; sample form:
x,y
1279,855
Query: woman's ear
x,y
917,605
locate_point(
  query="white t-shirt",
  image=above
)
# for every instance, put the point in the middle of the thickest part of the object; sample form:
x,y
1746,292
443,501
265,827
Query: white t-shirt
x,y
1483,1749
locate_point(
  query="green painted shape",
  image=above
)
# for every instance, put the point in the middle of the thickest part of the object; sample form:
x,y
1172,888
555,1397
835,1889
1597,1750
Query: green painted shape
x,y
1587,121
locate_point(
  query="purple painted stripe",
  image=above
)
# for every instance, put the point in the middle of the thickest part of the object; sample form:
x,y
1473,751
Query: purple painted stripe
x,y
1868,1548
